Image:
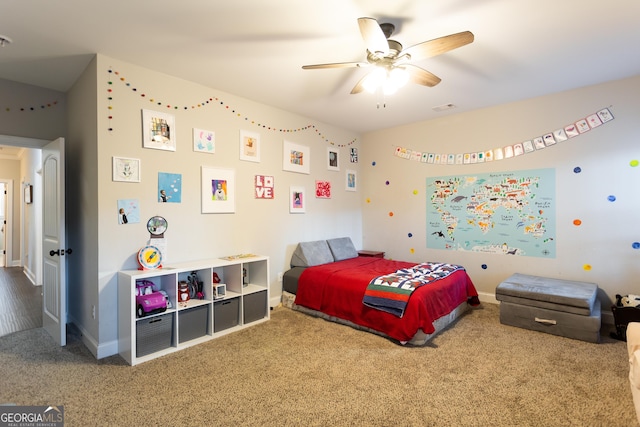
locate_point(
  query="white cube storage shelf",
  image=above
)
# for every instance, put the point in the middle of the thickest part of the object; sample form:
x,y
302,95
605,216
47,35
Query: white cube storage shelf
x,y
195,321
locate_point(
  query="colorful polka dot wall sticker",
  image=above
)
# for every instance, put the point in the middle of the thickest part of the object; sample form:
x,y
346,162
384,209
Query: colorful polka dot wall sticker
x,y
415,192
390,213
413,251
635,245
611,198
633,163
386,182
577,222
368,200
586,267
484,266
373,163
577,169
410,235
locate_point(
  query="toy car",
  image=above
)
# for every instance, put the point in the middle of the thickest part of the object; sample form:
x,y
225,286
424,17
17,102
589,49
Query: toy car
x,y
148,300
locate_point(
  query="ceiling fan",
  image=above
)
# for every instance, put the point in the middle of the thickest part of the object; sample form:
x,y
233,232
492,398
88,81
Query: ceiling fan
x,y
393,65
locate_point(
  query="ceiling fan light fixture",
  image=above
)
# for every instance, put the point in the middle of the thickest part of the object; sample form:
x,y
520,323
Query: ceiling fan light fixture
x,y
374,79
398,77
389,88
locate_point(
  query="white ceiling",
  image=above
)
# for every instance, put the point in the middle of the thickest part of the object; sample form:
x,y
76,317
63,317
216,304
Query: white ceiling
x,y
255,49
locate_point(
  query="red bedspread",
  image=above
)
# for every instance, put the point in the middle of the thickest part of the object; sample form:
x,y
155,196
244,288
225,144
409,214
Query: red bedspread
x,y
337,289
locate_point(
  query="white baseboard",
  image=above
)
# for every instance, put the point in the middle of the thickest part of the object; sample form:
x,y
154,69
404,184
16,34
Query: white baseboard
x,y
488,298
98,350
274,302
30,276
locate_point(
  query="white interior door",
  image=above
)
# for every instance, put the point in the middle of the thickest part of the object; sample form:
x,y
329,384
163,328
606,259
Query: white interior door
x,y
54,278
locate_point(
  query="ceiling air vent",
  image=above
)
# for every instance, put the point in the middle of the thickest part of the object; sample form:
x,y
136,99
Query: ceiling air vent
x,y
4,40
444,107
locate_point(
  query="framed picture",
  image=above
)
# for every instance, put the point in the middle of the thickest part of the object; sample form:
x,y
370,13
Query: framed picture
x,y
296,158
323,189
204,141
218,190
158,130
353,155
297,200
126,169
249,146
352,180
28,194
264,187
333,155
169,187
128,211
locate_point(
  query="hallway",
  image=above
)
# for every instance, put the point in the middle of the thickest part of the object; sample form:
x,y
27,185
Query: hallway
x,y
20,302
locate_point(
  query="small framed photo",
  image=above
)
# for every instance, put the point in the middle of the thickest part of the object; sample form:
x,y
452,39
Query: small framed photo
x,y
249,146
264,187
352,180
333,156
158,130
353,155
169,187
296,158
204,141
297,200
126,169
323,189
128,211
218,190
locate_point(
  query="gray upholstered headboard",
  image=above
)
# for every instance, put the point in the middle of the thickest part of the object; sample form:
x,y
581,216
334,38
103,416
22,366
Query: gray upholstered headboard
x,y
308,254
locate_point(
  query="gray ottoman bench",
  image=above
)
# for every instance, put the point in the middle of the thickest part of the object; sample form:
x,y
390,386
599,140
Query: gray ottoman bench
x,y
560,307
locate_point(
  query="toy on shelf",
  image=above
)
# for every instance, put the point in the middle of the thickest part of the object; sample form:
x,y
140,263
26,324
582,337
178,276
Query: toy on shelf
x,y
148,300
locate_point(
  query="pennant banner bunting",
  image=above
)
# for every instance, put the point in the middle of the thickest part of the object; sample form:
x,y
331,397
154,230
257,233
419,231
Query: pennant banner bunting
x,y
538,143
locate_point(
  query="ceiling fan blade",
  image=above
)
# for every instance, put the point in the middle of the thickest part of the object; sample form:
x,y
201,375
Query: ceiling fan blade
x,y
373,36
336,65
359,87
422,77
438,46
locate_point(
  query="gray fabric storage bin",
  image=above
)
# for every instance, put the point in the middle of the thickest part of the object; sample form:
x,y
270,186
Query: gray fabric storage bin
x,y
193,323
576,326
154,334
226,314
545,292
559,307
254,306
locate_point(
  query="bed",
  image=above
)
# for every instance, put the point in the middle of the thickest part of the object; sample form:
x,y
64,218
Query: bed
x,y
330,280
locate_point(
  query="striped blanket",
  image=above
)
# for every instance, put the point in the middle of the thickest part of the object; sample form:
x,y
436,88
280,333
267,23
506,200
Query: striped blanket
x,y
391,292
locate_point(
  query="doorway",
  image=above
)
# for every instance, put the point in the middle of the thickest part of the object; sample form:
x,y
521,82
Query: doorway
x,y
3,215
20,251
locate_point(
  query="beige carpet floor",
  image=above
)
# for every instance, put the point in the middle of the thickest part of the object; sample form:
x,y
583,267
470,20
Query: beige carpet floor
x,y
297,370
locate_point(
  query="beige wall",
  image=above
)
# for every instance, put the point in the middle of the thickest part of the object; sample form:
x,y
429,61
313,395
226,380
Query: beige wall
x,y
605,238
31,111
258,226
102,246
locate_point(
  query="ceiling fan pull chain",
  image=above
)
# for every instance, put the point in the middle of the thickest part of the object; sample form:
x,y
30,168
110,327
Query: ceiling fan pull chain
x,y
381,98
